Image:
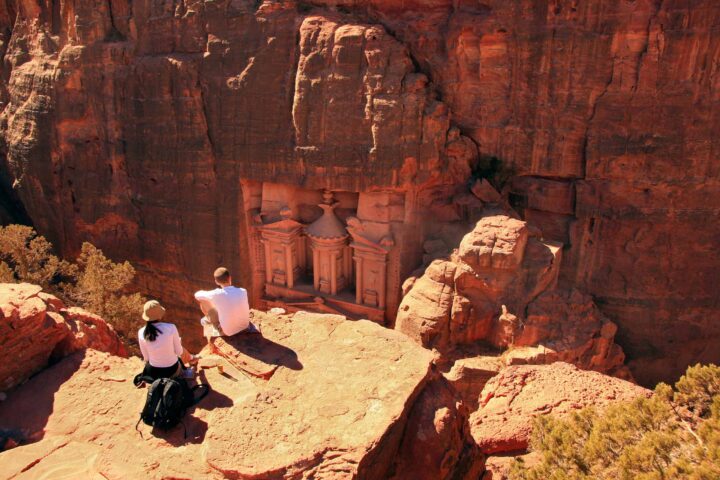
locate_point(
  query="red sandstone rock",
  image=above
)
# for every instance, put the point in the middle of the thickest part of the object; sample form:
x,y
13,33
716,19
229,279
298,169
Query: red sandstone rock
x,y
338,406
568,327
424,313
485,192
34,326
88,330
515,396
438,418
502,267
469,375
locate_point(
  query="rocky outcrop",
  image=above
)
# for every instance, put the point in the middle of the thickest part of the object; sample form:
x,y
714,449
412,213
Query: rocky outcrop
x,y
511,400
499,287
36,327
347,400
567,326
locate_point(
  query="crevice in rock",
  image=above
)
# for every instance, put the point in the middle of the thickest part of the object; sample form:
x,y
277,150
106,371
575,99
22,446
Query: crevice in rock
x,y
590,119
114,34
651,18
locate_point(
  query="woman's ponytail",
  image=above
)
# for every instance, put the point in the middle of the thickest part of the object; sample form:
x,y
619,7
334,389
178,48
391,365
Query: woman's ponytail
x,y
151,331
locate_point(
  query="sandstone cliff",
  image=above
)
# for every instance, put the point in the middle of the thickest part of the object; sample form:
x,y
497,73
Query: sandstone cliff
x,y
131,124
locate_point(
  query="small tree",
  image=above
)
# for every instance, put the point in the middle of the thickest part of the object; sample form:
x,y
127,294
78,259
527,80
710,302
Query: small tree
x,y
31,259
101,286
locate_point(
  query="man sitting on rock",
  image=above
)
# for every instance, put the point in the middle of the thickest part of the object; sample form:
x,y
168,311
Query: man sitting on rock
x,y
226,308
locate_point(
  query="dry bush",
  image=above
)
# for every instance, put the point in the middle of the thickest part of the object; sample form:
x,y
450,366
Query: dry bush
x,y
673,434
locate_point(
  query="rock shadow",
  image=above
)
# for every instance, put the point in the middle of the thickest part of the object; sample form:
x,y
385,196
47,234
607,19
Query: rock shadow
x,y
29,406
214,399
191,430
265,350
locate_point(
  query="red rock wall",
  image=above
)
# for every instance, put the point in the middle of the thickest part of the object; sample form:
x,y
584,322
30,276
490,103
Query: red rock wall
x,y
131,124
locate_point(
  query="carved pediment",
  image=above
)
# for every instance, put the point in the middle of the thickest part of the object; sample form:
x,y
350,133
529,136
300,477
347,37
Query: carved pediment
x,y
286,225
360,241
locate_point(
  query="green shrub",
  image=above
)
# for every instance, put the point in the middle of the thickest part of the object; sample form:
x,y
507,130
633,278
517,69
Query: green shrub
x,y
673,434
93,282
30,256
100,285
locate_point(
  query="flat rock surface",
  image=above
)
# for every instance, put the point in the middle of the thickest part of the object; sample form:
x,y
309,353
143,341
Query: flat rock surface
x,y
329,409
335,407
511,400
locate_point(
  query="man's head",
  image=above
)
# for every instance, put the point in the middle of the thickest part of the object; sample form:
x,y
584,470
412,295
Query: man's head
x,y
222,277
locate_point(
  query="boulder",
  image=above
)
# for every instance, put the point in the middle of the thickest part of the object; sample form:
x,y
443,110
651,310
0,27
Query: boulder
x,y
35,325
424,313
567,326
500,287
469,375
511,400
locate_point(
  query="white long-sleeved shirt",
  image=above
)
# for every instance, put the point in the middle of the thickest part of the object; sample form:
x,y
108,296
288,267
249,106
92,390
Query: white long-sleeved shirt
x,y
232,306
164,351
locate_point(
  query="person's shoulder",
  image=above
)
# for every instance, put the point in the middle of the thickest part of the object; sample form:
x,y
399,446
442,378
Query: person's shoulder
x,y
141,330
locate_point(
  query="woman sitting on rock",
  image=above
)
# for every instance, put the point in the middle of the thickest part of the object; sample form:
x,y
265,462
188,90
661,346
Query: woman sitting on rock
x,y
160,345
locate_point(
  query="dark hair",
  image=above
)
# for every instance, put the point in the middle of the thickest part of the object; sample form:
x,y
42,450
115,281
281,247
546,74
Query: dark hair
x,y
151,331
222,275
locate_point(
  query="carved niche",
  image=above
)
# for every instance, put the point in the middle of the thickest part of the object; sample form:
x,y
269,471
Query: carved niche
x,y
328,242
284,250
370,265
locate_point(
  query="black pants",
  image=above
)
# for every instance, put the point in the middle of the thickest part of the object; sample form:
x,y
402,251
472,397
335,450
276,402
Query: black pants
x,y
162,372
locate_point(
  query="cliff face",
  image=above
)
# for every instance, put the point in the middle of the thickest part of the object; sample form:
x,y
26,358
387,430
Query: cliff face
x,y
132,124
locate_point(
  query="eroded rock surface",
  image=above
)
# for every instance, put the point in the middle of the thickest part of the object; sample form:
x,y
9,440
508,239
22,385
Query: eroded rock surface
x,y
500,287
511,400
35,326
337,406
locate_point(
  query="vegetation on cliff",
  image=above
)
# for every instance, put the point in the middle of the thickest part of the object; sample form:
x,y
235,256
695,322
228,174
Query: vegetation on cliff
x,y
93,281
673,434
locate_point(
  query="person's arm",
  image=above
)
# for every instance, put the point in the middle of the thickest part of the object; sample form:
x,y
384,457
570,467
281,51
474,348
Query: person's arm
x,y
177,343
204,295
246,304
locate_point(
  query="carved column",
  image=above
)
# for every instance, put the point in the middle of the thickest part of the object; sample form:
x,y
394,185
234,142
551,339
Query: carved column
x,y
281,254
371,260
328,242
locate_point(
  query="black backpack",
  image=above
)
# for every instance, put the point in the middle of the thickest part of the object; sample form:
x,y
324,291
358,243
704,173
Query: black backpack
x,y
167,401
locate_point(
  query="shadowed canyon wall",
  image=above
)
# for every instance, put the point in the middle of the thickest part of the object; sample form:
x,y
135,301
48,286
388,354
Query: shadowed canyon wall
x,y
132,124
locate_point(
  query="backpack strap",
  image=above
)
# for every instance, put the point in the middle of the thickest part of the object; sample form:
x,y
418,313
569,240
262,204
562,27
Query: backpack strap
x,y
136,427
140,378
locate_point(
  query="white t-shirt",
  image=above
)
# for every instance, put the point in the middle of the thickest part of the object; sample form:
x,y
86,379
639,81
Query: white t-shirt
x,y
232,306
164,351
